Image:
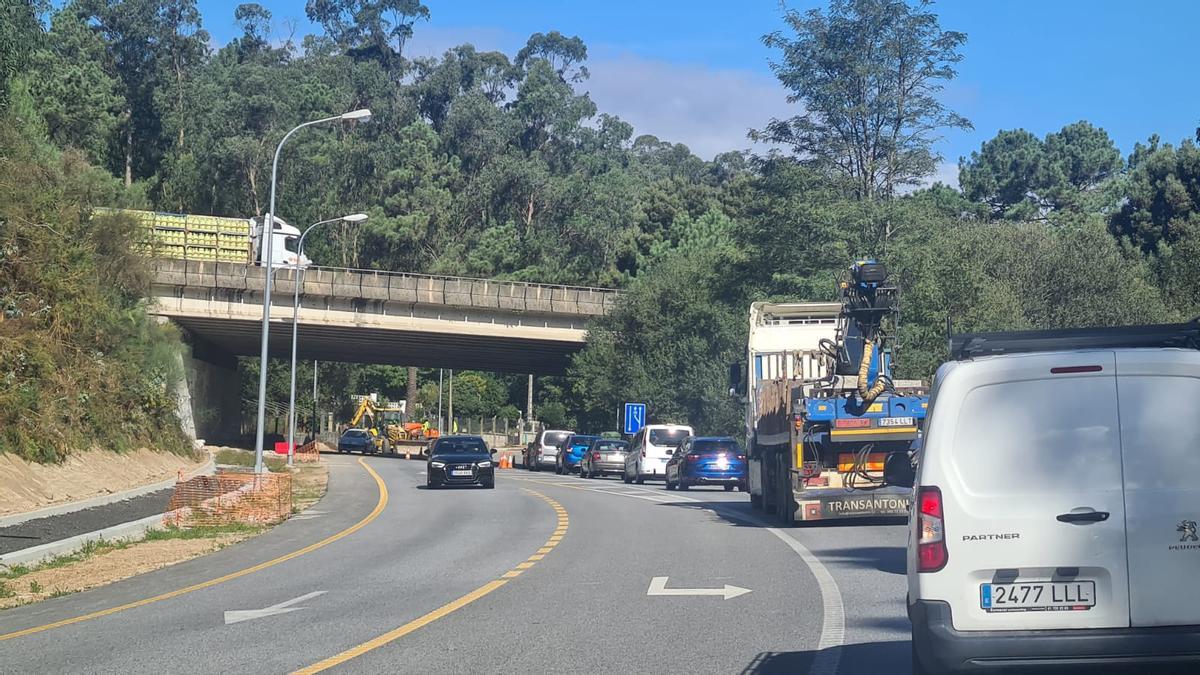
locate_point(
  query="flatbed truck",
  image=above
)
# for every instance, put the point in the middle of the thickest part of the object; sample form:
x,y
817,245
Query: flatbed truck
x,y
823,414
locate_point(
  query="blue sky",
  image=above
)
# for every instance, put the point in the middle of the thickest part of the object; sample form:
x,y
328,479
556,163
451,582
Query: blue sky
x,y
697,72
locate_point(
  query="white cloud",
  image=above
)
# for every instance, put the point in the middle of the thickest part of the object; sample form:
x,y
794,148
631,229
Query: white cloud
x,y
946,174
708,110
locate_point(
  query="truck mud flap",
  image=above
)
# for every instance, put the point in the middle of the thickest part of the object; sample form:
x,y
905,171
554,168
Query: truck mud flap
x,y
835,507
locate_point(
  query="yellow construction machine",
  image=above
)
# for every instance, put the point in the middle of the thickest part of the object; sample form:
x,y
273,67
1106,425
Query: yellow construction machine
x,y
386,425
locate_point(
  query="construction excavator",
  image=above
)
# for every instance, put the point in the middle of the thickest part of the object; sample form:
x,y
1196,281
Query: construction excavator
x,y
387,427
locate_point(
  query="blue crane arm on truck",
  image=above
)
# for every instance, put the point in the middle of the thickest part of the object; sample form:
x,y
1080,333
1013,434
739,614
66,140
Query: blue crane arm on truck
x,y
823,412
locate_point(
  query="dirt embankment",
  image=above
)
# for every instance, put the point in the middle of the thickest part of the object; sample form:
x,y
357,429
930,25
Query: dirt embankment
x,y
26,486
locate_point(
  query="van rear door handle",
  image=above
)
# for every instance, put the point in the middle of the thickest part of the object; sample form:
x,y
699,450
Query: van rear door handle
x,y
1084,517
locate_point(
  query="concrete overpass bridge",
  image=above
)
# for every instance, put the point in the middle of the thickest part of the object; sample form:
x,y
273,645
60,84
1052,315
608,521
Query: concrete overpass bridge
x,y
367,316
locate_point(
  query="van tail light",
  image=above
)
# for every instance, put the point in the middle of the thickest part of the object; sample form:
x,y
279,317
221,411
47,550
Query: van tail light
x,y
931,531
643,453
741,457
692,458
595,455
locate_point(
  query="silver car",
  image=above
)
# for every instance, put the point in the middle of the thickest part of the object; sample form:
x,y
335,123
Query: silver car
x,y
604,456
543,451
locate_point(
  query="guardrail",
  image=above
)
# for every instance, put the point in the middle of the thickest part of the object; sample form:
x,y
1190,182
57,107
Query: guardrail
x,y
400,287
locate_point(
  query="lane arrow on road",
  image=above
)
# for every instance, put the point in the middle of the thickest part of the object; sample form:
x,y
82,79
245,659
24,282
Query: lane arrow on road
x,y
282,608
658,586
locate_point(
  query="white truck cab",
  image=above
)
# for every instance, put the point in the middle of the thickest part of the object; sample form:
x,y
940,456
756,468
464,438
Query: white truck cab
x,y
285,239
1056,499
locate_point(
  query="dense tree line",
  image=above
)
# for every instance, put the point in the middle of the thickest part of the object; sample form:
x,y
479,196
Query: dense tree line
x,y
481,163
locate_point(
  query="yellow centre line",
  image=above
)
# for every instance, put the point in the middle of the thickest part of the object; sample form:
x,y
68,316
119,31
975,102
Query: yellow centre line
x,y
379,506
422,621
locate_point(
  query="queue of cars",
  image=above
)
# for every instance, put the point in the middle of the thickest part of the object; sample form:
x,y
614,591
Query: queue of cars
x,y
667,452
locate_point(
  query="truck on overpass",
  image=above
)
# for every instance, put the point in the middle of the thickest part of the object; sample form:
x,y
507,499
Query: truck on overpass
x,y
823,414
189,236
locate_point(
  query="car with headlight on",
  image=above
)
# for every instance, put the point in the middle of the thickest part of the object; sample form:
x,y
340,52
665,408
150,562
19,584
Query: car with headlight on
x,y
603,456
650,450
708,460
460,460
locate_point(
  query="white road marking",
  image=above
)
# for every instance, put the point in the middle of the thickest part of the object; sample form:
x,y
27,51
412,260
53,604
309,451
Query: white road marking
x,y
306,516
658,586
833,618
281,608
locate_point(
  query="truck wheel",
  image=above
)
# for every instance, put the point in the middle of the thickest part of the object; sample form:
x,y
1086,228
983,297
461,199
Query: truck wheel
x,y
756,502
729,488
625,477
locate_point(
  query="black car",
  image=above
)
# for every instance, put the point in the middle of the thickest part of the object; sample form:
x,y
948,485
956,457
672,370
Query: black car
x,y
356,440
460,460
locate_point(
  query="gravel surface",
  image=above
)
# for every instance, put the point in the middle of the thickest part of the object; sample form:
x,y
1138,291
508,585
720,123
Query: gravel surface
x,y
45,530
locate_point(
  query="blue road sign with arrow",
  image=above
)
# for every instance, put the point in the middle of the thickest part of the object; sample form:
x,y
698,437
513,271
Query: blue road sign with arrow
x,y
635,417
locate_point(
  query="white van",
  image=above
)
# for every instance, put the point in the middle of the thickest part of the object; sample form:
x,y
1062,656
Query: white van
x,y
650,449
542,453
1057,496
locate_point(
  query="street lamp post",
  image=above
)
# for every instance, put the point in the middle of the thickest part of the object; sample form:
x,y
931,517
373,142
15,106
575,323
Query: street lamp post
x,y
268,231
352,218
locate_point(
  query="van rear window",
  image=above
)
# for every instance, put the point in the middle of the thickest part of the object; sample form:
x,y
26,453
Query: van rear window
x,y
669,437
1039,436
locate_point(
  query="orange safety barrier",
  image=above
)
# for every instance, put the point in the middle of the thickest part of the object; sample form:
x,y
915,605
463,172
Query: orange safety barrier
x,y
309,452
231,497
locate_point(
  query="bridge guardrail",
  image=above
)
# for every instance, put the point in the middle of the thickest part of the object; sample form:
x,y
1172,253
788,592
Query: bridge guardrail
x,y
401,287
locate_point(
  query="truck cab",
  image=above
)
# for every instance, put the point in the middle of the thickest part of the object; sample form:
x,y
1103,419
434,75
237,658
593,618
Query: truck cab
x,y
283,247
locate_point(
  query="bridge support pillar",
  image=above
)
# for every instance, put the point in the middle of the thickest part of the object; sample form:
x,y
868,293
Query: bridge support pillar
x,y
210,398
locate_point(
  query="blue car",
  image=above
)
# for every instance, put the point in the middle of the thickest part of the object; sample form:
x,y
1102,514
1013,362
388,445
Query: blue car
x,y
356,440
707,460
571,451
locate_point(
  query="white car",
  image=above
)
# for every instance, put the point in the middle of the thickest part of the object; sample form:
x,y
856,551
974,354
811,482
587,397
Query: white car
x,y
650,449
1057,497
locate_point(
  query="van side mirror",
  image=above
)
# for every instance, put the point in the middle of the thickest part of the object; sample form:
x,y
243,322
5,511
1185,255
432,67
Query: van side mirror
x,y
898,470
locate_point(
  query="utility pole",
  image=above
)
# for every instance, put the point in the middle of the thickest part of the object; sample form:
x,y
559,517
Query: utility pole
x,y
529,402
441,427
450,402
316,408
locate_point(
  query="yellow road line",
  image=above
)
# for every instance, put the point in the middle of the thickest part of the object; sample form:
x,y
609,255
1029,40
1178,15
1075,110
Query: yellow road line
x,y
422,621
379,506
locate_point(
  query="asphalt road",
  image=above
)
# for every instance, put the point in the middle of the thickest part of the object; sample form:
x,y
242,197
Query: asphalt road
x,y
544,574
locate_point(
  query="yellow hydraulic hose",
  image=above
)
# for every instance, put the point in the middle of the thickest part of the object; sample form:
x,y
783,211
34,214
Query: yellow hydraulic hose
x,y
868,394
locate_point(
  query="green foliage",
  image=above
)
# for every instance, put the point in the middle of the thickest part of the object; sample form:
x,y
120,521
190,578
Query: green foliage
x,y
1162,195
201,532
477,395
495,165
866,73
81,362
19,33
1021,177
235,457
